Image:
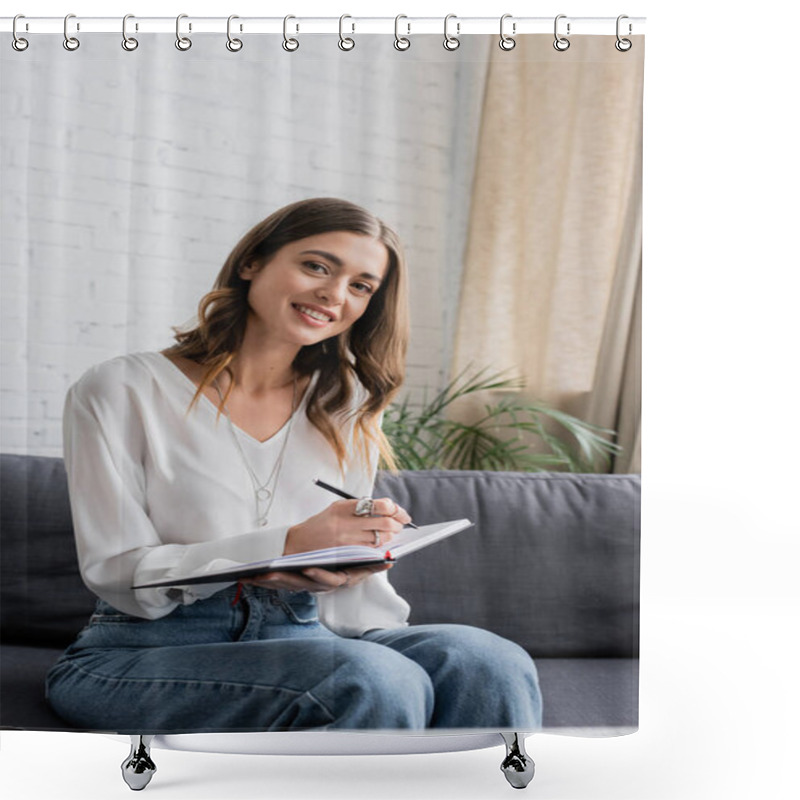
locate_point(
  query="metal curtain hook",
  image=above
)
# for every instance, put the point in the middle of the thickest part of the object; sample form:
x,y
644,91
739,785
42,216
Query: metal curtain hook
x,y
18,43
128,42
345,42
623,45
182,42
70,42
506,41
289,44
560,43
234,45
401,42
451,42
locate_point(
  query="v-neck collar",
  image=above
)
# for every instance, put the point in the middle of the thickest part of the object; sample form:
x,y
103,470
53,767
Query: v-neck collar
x,y
204,398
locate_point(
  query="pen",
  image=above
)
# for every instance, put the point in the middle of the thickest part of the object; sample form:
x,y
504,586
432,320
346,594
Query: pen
x,y
335,490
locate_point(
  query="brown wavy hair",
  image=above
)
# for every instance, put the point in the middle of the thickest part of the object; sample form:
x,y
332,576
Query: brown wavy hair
x,y
372,350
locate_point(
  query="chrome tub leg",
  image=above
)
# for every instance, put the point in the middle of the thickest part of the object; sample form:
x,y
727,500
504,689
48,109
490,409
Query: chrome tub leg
x,y
138,768
517,766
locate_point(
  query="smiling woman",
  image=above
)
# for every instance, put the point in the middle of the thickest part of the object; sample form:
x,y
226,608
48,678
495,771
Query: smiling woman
x,y
337,259
297,350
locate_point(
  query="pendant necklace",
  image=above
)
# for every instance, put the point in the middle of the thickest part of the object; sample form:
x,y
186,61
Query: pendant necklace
x,y
263,491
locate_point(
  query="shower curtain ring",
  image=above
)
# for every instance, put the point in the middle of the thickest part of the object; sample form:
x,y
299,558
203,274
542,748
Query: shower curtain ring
x,y
289,44
623,45
18,43
128,42
70,42
507,42
182,42
234,45
560,43
451,42
401,42
345,42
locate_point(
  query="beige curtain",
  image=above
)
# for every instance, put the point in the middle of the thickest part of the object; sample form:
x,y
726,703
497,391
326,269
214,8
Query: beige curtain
x,y
551,288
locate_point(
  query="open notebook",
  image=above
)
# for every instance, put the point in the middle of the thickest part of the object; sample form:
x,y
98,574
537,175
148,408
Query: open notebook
x,y
406,541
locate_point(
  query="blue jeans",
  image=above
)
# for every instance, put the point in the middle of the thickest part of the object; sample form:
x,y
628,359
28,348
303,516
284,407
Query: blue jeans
x,y
266,663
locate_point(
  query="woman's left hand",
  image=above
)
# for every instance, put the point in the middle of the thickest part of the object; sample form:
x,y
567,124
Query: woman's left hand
x,y
314,579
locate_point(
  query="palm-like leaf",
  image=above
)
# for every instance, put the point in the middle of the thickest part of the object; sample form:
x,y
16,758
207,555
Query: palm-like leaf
x,y
424,438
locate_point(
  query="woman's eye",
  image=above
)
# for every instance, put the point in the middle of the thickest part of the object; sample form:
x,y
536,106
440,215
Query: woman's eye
x,y
363,287
315,266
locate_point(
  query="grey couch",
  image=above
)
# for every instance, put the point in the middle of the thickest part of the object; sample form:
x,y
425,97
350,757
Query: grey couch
x,y
552,563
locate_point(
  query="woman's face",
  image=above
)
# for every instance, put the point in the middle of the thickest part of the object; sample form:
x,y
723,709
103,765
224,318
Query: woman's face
x,y
315,288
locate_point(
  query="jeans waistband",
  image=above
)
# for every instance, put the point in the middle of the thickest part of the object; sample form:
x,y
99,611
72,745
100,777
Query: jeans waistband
x,y
260,614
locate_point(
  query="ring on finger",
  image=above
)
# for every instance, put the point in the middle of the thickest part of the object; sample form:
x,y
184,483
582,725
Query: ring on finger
x,y
364,507
377,538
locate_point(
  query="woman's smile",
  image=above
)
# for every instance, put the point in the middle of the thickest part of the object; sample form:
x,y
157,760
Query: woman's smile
x,y
313,314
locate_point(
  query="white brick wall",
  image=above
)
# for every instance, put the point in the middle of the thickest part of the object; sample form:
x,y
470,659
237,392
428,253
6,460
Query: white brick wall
x,y
128,177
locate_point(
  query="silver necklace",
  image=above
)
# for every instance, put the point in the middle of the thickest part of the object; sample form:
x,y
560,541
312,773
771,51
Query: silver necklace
x,y
263,491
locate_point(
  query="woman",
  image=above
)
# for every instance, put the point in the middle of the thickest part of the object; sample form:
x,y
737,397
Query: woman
x,y
202,457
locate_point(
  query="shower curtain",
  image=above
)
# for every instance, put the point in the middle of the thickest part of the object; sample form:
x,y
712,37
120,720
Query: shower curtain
x,y
512,173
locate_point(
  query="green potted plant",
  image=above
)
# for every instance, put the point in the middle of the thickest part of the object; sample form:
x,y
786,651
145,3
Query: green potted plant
x,y
426,438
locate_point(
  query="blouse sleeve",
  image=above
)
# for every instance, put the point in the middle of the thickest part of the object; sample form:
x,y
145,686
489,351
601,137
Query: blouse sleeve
x,y
117,544
373,603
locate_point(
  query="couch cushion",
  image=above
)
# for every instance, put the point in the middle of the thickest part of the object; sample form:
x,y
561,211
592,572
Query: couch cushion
x,y
590,696
42,597
552,562
22,699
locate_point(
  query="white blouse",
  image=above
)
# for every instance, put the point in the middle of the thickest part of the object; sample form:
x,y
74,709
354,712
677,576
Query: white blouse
x,y
157,492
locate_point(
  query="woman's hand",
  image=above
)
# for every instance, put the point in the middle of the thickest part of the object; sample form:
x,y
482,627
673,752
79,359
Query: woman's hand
x,y
315,579
337,525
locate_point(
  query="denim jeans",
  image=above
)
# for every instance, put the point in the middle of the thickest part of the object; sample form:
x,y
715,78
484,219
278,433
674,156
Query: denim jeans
x,y
266,663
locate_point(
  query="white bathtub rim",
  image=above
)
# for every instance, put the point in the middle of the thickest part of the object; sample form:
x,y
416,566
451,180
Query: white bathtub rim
x,y
324,743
